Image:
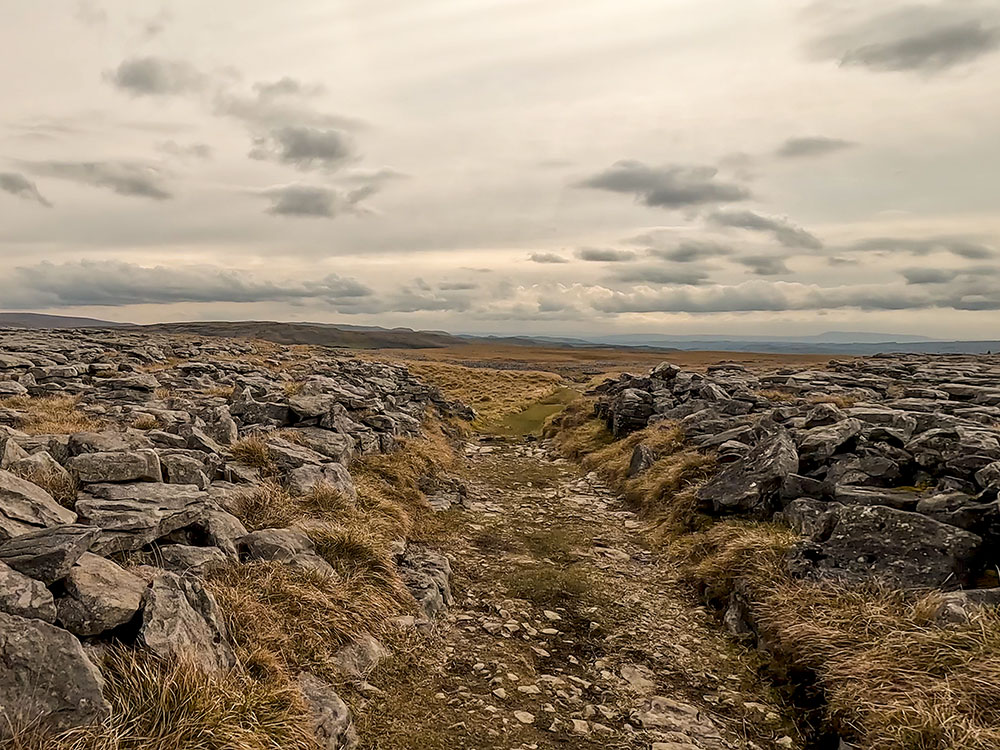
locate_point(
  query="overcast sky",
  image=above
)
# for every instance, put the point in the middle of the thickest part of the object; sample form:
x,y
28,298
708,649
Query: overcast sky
x,y
567,166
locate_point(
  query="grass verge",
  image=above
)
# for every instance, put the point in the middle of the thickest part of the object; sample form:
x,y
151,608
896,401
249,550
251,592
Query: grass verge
x,y
889,677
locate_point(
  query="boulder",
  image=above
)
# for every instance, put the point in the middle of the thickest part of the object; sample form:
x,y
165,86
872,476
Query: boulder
x,y
427,575
184,470
130,516
185,559
27,507
100,596
289,546
47,554
46,679
305,478
331,718
820,443
334,445
181,619
750,486
124,466
900,548
25,597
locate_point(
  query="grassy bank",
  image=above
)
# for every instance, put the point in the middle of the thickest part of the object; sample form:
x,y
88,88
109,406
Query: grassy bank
x,y
884,675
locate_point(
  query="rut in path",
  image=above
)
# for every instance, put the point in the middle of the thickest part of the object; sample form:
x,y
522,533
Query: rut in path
x,y
567,631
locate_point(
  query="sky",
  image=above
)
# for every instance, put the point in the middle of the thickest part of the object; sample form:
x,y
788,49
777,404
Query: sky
x,y
567,167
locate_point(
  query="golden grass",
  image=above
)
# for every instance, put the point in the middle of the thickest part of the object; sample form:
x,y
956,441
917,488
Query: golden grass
x,y
838,400
175,706
492,393
63,486
773,394
665,491
892,680
51,414
253,451
146,422
283,620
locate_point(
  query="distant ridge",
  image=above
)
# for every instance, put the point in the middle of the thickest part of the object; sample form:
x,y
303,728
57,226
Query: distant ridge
x,y
37,320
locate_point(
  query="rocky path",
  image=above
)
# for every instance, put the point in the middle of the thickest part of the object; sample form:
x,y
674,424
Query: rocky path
x,y
566,631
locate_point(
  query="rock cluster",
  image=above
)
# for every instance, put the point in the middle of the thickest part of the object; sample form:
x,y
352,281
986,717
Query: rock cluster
x,y
889,466
148,461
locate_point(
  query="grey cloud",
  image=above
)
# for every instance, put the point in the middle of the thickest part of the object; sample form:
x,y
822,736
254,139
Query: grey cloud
x,y
22,187
547,258
916,38
121,177
302,200
605,255
661,276
156,76
795,148
457,286
316,201
110,283
928,275
764,265
201,151
960,246
304,147
689,251
761,296
279,104
90,13
670,186
785,232
286,86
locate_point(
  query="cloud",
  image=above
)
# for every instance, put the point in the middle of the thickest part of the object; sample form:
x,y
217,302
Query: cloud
x,y
199,151
669,186
659,275
769,296
156,76
605,255
22,187
90,13
915,38
764,265
960,246
786,233
114,283
121,177
928,275
316,201
277,104
304,148
795,148
547,258
457,286
689,251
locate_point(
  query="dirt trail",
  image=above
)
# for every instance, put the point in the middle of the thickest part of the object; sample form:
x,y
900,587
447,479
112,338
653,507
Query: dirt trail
x,y
566,632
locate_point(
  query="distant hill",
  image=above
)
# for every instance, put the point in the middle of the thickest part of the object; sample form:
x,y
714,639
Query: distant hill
x,y
354,337
36,320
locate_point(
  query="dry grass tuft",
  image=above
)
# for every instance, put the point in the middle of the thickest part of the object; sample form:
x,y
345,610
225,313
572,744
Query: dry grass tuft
x,y
264,506
665,491
838,400
775,395
176,706
253,451
891,679
46,415
492,393
285,620
293,387
63,486
146,422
